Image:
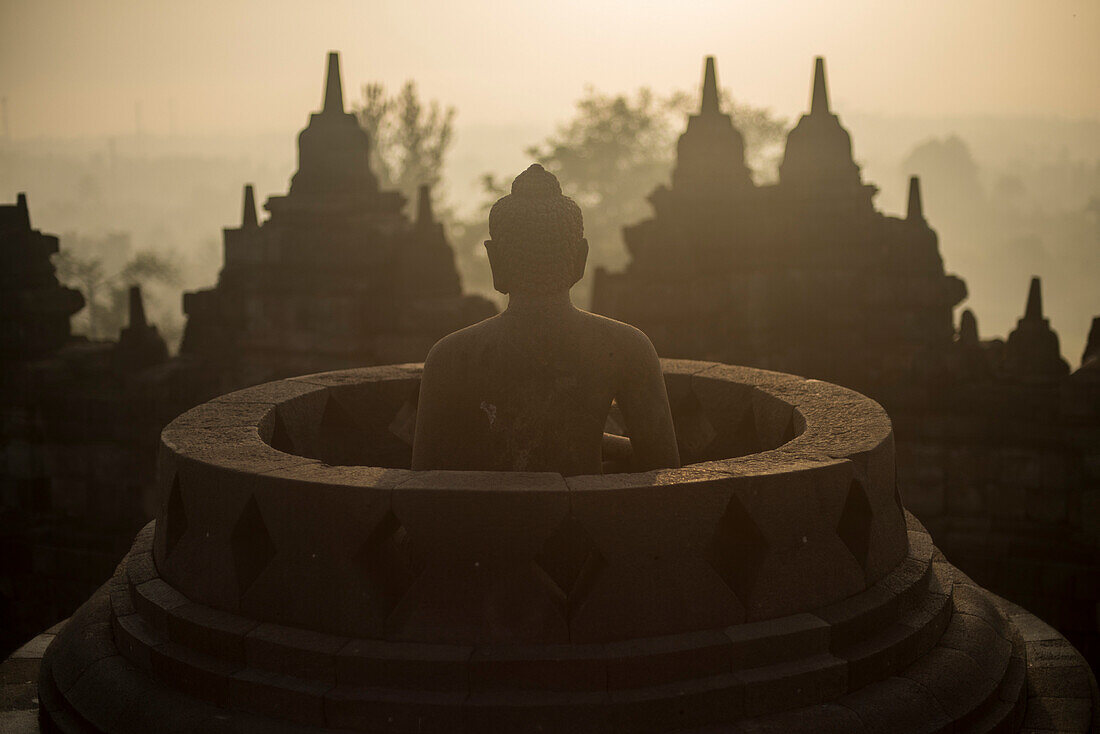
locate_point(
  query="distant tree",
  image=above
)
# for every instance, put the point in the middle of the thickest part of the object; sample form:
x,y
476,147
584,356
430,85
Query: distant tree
x,y
107,296
409,139
950,179
616,149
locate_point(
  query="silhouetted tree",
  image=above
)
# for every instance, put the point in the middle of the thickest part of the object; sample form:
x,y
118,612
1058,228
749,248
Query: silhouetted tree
x,y
409,139
107,297
614,151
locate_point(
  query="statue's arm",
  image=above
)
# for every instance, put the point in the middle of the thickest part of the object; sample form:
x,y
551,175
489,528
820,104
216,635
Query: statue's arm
x,y
430,423
644,404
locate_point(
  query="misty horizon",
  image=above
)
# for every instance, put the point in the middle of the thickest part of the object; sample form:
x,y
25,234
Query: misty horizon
x,y
214,87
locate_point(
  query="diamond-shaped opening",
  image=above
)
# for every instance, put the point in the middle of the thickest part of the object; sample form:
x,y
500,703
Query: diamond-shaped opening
x,y
387,563
251,545
854,527
742,437
695,433
342,440
570,561
737,549
383,418
280,436
175,517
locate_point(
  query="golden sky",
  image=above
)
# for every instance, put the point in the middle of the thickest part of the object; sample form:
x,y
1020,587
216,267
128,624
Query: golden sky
x,y
75,68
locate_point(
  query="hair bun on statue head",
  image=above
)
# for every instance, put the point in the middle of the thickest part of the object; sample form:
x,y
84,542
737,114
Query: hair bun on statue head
x,y
536,181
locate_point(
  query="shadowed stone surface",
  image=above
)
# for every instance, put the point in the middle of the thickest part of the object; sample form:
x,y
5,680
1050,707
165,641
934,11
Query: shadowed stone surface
x,y
383,598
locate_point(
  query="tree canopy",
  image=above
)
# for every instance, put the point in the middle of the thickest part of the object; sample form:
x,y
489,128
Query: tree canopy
x,y
410,139
617,148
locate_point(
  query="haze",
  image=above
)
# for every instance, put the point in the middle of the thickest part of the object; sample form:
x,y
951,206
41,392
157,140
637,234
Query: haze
x,y
77,68
226,87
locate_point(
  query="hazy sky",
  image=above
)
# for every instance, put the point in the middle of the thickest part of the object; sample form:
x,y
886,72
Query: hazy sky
x,y
74,68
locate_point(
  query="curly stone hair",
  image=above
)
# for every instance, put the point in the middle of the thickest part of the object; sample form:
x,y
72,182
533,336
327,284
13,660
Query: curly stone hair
x,y
538,230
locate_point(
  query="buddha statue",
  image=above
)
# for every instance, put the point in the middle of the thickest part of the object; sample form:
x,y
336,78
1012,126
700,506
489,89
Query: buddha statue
x,y
531,388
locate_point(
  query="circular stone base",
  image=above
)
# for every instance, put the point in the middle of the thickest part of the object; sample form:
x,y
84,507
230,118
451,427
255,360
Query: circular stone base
x,y
924,649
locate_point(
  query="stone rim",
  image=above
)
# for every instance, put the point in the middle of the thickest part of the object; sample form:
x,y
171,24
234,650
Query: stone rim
x,y
798,526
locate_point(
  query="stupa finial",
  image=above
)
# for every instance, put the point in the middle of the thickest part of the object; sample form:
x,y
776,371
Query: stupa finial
x,y
334,90
710,89
1034,300
968,328
819,104
24,212
916,209
249,220
137,308
424,215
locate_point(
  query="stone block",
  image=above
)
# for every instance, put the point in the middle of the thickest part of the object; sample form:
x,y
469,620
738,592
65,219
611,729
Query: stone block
x,y
897,706
154,600
654,661
979,640
679,705
539,667
376,663
32,649
135,640
86,694
953,678
1063,681
1058,714
757,644
278,696
140,568
210,631
624,602
386,710
821,719
1054,653
928,620
909,581
534,711
810,680
878,656
85,640
859,615
193,673
292,651
475,535
655,548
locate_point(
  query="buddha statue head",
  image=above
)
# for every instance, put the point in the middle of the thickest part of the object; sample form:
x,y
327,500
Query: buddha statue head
x,y
537,243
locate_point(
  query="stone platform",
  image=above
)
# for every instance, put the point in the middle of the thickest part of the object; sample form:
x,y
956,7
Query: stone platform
x,y
299,579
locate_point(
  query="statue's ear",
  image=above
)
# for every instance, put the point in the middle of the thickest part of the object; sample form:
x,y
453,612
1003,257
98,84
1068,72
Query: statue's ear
x,y
580,259
498,264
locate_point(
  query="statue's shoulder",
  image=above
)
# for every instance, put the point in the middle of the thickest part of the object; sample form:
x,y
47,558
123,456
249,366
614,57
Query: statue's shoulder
x,y
458,343
617,332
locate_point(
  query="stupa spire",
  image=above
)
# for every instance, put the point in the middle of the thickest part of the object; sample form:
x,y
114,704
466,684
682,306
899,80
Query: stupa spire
x,y
24,212
819,103
710,89
137,308
424,216
968,328
334,90
249,220
1034,309
916,210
